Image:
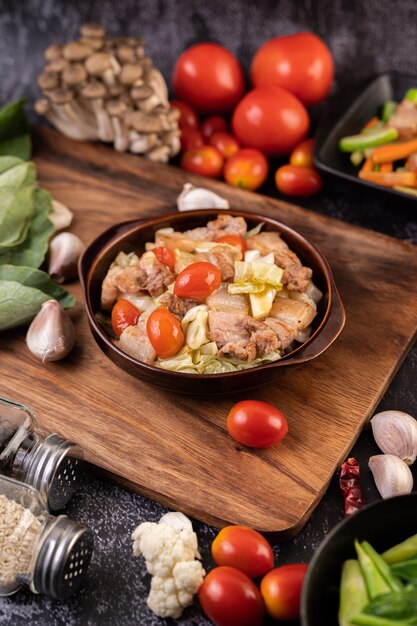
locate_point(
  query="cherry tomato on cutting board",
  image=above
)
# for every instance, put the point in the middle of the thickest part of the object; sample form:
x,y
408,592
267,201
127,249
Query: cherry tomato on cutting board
x,y
243,548
256,424
248,169
302,155
229,598
281,591
166,257
298,181
209,78
234,240
270,119
165,333
213,124
225,143
191,139
188,117
301,63
206,161
124,314
197,281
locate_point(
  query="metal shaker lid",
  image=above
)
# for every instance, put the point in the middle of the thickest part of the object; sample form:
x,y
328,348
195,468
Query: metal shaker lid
x,y
63,558
53,468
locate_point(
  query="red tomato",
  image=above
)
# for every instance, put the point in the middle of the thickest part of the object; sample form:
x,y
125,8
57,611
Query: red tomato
x,y
197,281
208,77
281,591
302,155
225,143
191,139
124,314
243,548
298,181
248,168
206,161
188,117
301,63
229,598
213,124
256,424
270,119
164,332
166,257
234,240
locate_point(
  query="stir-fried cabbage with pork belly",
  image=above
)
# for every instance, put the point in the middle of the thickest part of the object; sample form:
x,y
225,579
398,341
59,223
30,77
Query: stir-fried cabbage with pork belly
x,y
214,299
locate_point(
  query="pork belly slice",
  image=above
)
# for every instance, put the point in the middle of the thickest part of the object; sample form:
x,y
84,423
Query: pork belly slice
x,y
134,341
294,313
178,306
222,300
404,120
227,225
223,259
296,277
284,333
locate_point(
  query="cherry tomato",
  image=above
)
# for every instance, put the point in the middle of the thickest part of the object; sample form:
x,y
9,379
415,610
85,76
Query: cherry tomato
x,y
225,143
213,124
248,169
188,117
208,77
302,155
256,424
234,240
270,119
124,314
298,181
191,139
243,548
197,281
166,257
301,63
206,161
164,332
229,598
281,591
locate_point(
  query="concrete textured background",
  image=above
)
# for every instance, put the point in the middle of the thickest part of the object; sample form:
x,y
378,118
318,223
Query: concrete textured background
x,y
365,38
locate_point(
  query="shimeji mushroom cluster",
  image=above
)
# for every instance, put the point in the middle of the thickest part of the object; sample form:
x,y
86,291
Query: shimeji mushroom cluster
x,y
107,89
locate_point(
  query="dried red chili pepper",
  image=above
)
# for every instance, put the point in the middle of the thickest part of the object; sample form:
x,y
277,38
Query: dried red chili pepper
x,y
351,486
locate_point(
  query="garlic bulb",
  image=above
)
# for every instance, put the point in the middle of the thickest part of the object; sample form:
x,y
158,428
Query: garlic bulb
x,y
61,217
51,335
192,198
395,433
392,476
64,251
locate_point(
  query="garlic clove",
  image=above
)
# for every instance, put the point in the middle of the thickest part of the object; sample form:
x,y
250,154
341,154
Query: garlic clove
x,y
395,433
177,520
64,251
192,198
51,335
61,217
392,476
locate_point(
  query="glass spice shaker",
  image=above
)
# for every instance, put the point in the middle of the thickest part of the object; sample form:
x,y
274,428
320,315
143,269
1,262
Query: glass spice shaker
x,y
49,554
49,463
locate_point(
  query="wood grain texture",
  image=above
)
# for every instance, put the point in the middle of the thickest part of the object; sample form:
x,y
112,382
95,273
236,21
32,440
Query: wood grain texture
x,y
175,448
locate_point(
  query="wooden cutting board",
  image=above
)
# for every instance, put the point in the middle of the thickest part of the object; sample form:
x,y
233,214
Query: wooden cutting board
x,y
175,448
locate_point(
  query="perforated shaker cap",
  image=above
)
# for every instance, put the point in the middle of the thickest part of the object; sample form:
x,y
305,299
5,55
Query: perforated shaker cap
x,y
63,558
53,468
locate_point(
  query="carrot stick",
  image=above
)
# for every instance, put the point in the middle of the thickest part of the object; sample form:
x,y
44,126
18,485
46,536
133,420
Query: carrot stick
x,y
390,179
368,166
372,122
386,167
394,152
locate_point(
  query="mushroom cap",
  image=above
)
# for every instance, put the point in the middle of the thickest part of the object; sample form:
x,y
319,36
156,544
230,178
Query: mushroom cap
x,y
77,51
92,30
56,65
48,81
94,42
125,54
129,73
74,74
116,107
42,106
143,123
140,52
98,63
141,92
115,90
61,96
94,90
132,42
53,52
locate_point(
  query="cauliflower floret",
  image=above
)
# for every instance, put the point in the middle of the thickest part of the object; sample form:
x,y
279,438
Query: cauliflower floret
x,y
170,553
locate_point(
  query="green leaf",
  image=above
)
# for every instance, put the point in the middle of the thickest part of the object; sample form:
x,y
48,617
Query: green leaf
x,y
407,570
18,303
39,280
19,146
16,212
400,606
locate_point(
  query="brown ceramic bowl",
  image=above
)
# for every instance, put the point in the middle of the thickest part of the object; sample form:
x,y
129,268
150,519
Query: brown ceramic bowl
x,y
133,235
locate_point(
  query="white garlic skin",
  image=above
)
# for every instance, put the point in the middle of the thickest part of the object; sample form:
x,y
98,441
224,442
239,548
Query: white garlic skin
x,y
392,476
61,216
193,198
177,520
395,433
64,251
51,335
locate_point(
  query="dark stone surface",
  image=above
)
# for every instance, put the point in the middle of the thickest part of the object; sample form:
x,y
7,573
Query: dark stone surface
x,y
365,38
